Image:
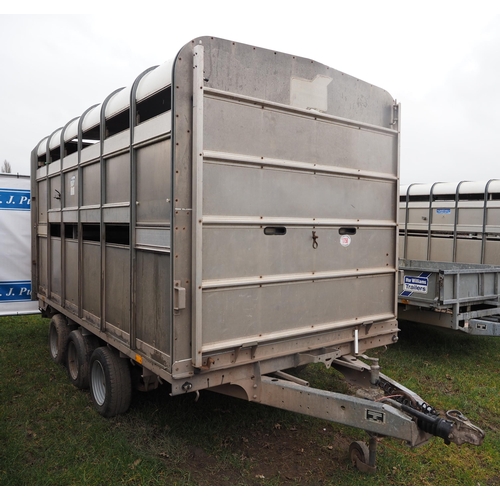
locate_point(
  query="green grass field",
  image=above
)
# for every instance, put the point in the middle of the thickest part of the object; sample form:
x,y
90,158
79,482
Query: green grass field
x,y
51,435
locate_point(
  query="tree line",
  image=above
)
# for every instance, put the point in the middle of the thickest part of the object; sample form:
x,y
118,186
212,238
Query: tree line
x,y
6,168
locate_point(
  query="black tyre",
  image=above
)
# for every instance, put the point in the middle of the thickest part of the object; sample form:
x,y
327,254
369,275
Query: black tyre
x,y
79,350
58,338
110,382
358,452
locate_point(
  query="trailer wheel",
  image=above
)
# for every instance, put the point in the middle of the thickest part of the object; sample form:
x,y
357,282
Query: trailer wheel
x,y
110,382
79,351
58,338
358,452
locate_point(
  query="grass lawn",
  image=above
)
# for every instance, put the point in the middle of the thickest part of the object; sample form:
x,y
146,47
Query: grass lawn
x,y
51,435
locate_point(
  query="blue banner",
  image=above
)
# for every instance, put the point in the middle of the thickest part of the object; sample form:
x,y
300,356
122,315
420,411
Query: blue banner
x,y
15,291
14,199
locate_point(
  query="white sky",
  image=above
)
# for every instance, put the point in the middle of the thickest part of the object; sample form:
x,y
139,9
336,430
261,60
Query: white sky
x,y
440,59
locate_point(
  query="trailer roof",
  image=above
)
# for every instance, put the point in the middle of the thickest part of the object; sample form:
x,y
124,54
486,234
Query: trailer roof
x,y
155,80
146,84
451,188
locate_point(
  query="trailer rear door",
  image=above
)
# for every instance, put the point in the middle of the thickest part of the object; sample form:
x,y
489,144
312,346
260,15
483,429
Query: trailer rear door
x,y
294,193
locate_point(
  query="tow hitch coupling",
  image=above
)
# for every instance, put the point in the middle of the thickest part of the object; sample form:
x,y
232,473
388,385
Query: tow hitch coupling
x,y
456,428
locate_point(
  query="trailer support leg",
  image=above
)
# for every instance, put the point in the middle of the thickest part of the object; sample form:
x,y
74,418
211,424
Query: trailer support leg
x,y
364,458
373,453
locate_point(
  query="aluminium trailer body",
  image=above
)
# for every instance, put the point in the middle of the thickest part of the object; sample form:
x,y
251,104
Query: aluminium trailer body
x,y
450,241
451,222
463,297
230,215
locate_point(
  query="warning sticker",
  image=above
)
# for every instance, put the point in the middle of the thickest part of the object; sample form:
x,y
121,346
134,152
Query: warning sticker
x,y
345,240
417,284
375,416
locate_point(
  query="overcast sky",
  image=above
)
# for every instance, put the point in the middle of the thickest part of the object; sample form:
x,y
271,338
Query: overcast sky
x,y
439,59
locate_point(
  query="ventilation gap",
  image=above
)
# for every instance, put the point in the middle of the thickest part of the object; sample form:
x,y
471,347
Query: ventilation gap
x,y
275,231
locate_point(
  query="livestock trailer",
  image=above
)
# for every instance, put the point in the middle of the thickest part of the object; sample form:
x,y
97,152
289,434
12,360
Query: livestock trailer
x,y
228,216
463,297
450,241
451,222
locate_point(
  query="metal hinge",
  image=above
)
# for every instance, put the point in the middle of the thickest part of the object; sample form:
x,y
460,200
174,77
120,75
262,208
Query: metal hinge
x,y
395,114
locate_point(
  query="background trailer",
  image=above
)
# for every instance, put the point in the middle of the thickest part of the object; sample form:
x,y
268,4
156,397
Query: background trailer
x,y
449,242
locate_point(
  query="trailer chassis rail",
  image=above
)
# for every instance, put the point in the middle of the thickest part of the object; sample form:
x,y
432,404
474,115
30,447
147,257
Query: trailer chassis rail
x,y
382,407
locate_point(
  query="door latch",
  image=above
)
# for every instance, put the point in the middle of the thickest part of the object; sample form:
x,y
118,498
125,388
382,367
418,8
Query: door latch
x,y
179,297
315,240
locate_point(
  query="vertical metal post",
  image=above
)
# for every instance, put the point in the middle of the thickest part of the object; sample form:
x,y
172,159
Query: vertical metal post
x,y
102,201
429,222
372,447
63,206
429,217
49,237
407,213
485,216
34,195
456,299
197,199
396,120
132,217
429,230
102,238
455,228
133,210
80,204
